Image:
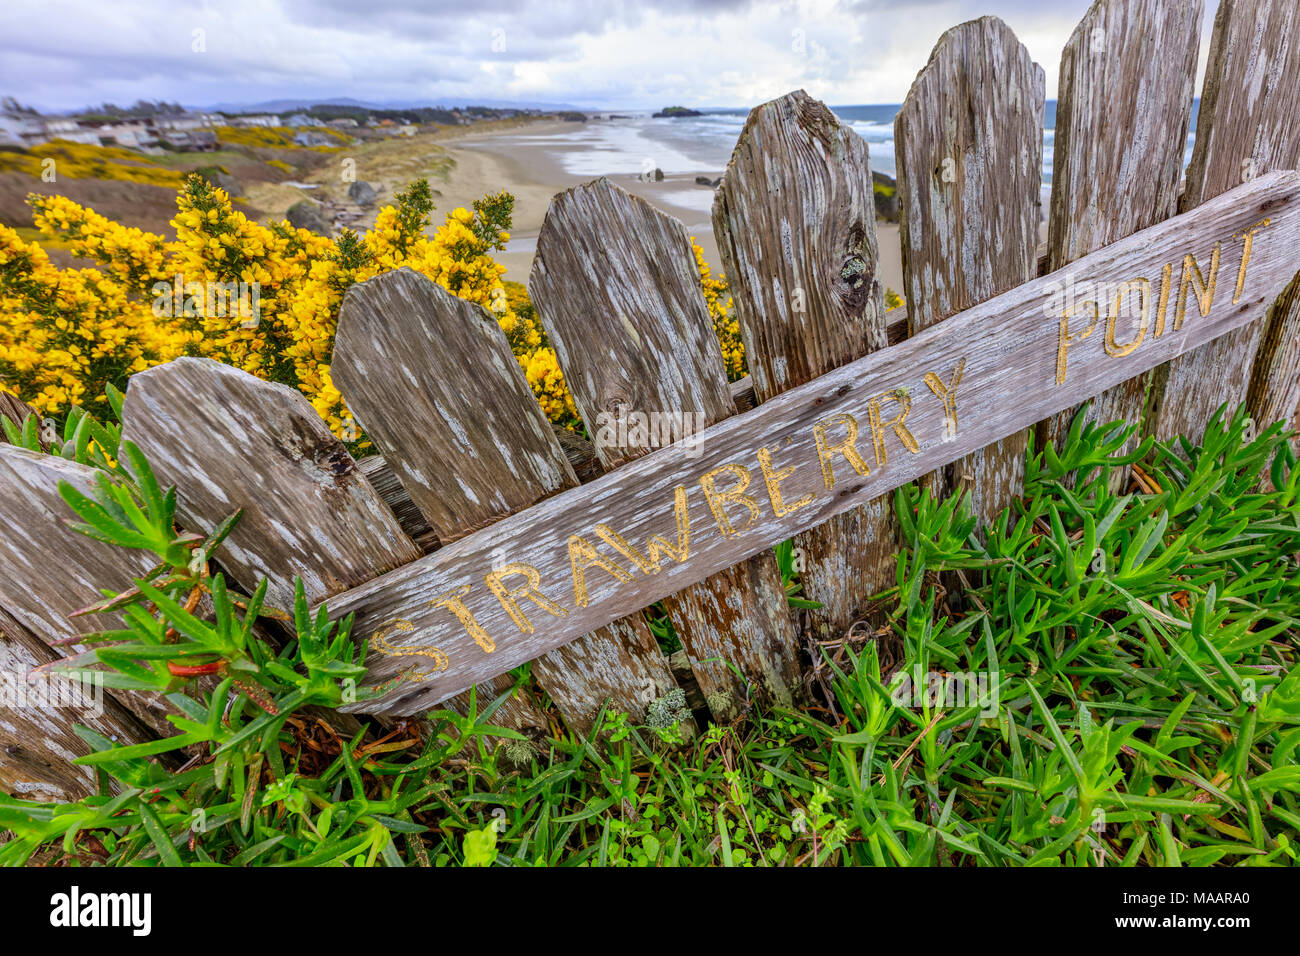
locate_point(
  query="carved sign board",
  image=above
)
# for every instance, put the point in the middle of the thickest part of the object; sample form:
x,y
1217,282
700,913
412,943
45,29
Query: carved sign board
x,y
590,555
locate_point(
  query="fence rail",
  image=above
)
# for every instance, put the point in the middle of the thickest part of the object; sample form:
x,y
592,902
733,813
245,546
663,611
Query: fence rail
x,y
481,539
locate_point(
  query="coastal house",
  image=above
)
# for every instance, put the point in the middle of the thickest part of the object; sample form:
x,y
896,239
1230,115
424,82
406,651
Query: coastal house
x,y
190,141
183,131
133,134
265,120
74,131
310,138
188,121
21,129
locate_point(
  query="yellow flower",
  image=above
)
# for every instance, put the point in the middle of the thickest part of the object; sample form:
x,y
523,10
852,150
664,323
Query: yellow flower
x,y
65,334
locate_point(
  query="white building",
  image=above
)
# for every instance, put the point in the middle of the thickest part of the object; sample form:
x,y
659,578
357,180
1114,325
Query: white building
x,y
188,121
267,120
21,129
132,134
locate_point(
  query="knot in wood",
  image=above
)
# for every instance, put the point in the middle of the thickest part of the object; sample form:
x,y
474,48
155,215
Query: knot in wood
x,y
857,279
853,271
335,460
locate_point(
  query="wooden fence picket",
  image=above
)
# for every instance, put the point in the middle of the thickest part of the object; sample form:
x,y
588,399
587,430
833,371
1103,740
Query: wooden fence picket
x,y
795,220
230,440
382,479
615,285
38,743
968,141
1275,379
1246,127
433,379
1123,109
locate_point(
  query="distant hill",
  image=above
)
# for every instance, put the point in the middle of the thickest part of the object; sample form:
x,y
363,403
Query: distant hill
x,y
281,106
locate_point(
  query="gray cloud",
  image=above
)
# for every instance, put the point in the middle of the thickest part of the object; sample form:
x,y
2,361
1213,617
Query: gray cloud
x,y
71,53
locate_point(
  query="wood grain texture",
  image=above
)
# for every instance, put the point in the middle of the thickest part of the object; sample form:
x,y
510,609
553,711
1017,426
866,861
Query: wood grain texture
x,y
580,453
1246,126
1010,344
50,571
1251,98
229,441
37,741
968,142
432,378
1275,386
411,519
616,287
795,220
504,453
1123,107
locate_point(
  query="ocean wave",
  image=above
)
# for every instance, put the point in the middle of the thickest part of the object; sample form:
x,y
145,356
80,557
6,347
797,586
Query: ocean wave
x,y
704,143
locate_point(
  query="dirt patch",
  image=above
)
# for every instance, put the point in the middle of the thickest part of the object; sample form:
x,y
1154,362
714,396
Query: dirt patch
x,y
132,204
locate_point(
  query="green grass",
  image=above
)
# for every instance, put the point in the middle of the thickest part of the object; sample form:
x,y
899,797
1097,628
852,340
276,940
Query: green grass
x,y
1147,713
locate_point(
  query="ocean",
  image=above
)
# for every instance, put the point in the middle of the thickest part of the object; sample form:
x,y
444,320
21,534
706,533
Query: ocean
x,y
636,142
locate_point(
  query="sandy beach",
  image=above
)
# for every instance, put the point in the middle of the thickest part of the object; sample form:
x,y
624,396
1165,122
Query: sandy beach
x,y
529,164
534,160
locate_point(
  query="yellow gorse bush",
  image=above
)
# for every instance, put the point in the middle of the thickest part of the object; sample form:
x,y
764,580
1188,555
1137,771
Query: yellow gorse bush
x,y
66,333
725,324
84,161
263,298
276,137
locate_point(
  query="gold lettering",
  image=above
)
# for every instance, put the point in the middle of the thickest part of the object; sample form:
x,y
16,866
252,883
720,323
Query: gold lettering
x,y
1192,278
455,603
656,545
847,447
948,393
1068,338
904,401
1249,241
583,555
774,478
1162,306
1144,293
510,598
380,644
718,499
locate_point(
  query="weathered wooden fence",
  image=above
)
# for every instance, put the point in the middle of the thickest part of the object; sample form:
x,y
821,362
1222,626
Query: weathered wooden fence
x,y
483,539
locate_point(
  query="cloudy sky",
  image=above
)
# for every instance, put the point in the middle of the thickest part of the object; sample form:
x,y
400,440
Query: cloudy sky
x,y
64,54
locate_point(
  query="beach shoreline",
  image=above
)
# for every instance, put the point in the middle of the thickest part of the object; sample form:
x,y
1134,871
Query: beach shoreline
x,y
532,160
528,163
